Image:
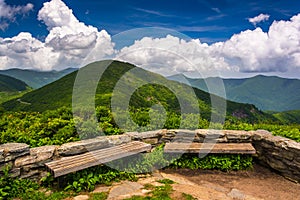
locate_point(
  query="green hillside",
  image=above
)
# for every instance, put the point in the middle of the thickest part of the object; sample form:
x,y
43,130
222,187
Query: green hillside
x,y
265,92
59,93
36,79
292,116
9,84
11,88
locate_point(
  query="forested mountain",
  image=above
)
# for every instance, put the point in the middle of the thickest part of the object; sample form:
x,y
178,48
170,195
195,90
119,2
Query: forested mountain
x,y
36,79
265,92
9,84
59,93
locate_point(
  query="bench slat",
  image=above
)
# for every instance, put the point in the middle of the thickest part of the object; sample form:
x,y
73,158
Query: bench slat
x,y
75,163
218,148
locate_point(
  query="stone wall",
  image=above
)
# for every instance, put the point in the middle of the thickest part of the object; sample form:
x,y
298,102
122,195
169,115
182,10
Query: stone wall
x,y
278,153
29,162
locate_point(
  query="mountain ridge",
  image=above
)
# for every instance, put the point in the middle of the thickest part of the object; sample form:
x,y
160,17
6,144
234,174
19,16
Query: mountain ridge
x,y
59,93
10,84
35,78
265,92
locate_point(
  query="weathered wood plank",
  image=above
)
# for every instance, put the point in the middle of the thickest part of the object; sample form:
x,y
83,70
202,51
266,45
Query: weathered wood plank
x,y
75,163
218,148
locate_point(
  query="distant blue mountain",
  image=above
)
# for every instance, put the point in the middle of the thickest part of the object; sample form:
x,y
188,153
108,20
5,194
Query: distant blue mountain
x,y
36,79
265,92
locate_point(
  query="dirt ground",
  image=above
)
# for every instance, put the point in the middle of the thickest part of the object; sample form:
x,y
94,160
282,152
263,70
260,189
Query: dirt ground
x,y
259,182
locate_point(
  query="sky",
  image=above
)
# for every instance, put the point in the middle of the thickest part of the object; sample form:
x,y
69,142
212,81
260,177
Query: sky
x,y
227,38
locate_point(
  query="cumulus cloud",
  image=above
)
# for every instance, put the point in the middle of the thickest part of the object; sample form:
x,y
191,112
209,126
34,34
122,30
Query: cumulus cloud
x,y
277,50
24,51
8,13
258,19
171,55
256,51
70,43
71,38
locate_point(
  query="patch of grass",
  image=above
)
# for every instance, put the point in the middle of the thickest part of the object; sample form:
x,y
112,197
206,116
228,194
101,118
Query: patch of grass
x,y
158,192
99,196
166,181
162,192
138,198
188,196
149,186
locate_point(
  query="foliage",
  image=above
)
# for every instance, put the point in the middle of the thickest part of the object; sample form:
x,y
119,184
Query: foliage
x,y
87,179
220,162
58,126
36,129
166,181
36,79
266,92
11,188
158,193
98,196
6,96
59,93
188,196
291,131
10,84
288,117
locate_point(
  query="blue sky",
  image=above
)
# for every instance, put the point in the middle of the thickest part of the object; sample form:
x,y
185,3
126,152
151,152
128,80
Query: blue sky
x,y
207,22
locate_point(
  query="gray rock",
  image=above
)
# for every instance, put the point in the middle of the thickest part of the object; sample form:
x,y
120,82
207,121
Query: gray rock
x,y
126,189
117,139
238,136
3,165
10,151
73,148
15,172
143,135
38,154
211,133
294,146
81,197
152,141
182,131
1,155
83,146
261,134
30,174
276,164
236,194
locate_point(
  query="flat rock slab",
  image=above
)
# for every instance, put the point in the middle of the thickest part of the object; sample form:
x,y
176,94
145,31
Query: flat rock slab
x,y
38,154
10,151
79,147
125,190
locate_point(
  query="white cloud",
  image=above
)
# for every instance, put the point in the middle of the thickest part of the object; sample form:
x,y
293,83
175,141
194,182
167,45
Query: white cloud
x,y
8,13
24,51
259,18
277,50
256,51
70,43
171,55
217,10
71,38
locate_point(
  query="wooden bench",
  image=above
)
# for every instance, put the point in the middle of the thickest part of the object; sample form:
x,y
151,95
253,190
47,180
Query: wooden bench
x,y
218,148
75,163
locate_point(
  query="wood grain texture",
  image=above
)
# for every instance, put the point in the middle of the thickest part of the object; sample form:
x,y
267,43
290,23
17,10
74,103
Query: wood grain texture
x,y
75,163
218,148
